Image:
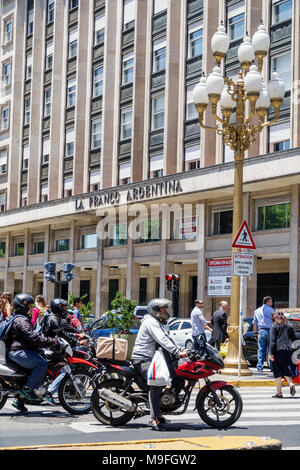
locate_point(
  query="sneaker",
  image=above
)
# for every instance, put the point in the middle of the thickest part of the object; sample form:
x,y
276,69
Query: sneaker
x,y
292,390
28,393
19,405
49,398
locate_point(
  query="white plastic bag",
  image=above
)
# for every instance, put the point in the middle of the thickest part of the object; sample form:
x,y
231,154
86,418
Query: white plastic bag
x,y
158,372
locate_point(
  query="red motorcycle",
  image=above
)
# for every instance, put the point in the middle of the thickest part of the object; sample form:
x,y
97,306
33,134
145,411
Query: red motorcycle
x,y
117,401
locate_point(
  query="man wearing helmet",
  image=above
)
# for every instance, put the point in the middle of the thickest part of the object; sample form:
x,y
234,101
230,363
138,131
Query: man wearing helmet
x,y
151,335
23,345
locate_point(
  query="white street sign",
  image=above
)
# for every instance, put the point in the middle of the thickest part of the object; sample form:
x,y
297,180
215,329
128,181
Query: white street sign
x,y
243,264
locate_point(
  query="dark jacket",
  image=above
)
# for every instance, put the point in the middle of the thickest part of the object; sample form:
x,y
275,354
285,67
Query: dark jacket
x,y
23,336
219,322
51,326
281,337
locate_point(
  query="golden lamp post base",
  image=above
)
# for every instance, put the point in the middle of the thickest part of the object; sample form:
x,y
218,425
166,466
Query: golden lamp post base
x,y
231,361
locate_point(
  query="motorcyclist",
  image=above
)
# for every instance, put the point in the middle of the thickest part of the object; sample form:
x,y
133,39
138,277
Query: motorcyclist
x,y
150,335
23,345
51,325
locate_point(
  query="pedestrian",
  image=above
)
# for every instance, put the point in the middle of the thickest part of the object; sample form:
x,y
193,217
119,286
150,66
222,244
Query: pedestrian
x,y
262,323
150,336
199,325
219,323
39,309
77,304
6,305
282,336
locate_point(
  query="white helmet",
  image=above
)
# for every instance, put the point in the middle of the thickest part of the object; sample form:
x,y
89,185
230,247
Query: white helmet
x,y
155,306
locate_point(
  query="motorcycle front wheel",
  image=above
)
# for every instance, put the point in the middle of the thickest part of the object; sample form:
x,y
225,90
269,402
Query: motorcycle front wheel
x,y
75,392
223,414
106,412
3,395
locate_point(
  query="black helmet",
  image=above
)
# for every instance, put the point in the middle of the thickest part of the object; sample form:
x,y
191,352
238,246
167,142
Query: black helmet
x,y
155,306
58,306
22,303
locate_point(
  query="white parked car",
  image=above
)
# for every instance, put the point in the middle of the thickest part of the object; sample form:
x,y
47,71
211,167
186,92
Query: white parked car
x,y
180,330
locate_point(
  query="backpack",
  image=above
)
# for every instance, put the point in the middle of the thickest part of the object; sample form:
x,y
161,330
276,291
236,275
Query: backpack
x,y
5,327
74,322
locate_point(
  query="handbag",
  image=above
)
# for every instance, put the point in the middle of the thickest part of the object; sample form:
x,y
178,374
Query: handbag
x,y
158,372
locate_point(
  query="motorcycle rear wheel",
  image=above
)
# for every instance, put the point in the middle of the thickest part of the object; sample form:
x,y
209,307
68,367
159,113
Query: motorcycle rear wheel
x,y
108,413
68,396
3,397
225,415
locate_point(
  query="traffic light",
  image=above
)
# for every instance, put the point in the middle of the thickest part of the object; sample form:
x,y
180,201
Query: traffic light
x,y
169,278
67,274
176,280
49,275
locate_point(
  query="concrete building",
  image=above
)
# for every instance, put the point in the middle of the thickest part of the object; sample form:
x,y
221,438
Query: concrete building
x,y
96,112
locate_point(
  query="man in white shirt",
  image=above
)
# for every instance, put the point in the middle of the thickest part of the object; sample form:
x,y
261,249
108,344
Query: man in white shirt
x,y
199,325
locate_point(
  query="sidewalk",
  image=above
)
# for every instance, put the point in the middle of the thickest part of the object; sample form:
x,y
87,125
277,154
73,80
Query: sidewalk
x,y
257,379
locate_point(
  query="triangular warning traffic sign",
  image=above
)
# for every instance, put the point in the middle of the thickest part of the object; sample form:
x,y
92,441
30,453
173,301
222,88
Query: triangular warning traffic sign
x,y
244,238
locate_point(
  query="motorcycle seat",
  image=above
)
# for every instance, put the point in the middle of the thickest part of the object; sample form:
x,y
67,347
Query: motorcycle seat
x,y
118,363
13,365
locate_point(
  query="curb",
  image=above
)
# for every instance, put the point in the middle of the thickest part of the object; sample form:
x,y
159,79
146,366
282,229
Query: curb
x,y
193,443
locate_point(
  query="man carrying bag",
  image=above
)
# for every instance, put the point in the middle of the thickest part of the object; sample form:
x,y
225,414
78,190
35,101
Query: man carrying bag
x,y
151,335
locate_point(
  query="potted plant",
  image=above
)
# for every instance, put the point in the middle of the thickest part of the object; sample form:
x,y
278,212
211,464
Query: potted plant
x,y
121,319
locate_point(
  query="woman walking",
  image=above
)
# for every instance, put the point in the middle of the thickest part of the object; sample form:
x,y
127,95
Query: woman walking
x,y
282,336
40,308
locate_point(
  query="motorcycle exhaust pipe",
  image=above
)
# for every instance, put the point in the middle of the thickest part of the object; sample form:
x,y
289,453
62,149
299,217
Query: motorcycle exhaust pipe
x,y
116,399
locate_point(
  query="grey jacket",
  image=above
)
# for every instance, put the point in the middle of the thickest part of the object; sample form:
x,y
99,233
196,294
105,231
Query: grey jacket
x,y
150,334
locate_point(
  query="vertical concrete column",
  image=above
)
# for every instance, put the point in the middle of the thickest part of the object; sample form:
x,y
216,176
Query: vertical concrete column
x,y
294,282
48,287
201,268
137,143
211,21
27,275
133,274
172,86
110,117
74,285
165,268
83,77
35,143
295,92
58,102
102,287
16,115
9,282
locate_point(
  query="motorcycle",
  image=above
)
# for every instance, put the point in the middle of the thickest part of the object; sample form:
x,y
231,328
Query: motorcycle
x,y
116,401
74,390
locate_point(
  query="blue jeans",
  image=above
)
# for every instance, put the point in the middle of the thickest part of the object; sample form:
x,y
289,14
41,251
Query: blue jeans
x,y
263,339
55,384
199,343
31,360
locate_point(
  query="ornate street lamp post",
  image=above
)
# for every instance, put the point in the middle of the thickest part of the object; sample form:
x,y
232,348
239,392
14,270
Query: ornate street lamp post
x,y
248,97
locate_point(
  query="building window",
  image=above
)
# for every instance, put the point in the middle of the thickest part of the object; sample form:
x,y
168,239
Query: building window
x,y
73,37
99,30
69,145
38,247
274,216
156,165
71,92
8,31
126,123
95,180
98,82
47,102
192,157
158,112
26,111
280,146
194,165
96,133
279,137
159,55
195,39
4,118
2,249
46,150
124,173
221,222
6,74
49,56
128,14
2,202
28,67
30,22
25,159
44,192
19,249
282,10
50,11
160,5
236,21
191,111
73,4
127,70
88,241
68,186
62,245
283,66
119,235
24,197
3,161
